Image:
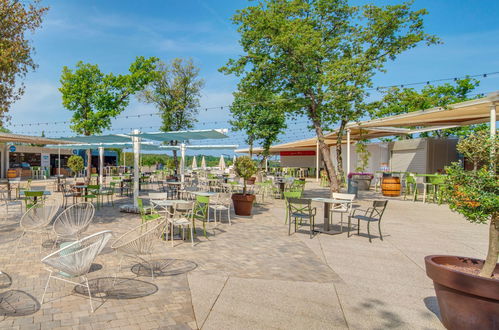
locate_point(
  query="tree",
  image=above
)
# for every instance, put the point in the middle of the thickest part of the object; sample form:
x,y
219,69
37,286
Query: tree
x,y
96,98
475,194
245,168
175,92
403,100
260,115
476,147
321,54
16,19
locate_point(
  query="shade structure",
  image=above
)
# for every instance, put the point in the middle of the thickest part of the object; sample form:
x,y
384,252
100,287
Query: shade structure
x,y
109,138
203,163
202,147
128,145
184,135
9,137
221,163
194,163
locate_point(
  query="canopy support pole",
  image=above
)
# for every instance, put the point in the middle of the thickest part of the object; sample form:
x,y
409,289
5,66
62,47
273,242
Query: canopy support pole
x,y
317,170
101,166
136,170
348,153
182,162
59,160
493,129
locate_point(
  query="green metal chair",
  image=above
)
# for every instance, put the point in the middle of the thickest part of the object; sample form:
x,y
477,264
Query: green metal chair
x,y
437,183
200,212
109,192
301,208
93,193
147,213
289,194
411,187
32,198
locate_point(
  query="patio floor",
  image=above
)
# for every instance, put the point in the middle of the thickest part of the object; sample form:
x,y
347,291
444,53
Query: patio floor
x,y
250,275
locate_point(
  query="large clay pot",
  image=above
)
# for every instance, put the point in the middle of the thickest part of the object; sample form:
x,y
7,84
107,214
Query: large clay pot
x,y
466,301
243,204
390,186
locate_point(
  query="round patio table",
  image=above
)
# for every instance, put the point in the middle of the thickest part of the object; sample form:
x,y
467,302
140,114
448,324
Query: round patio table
x,y
327,214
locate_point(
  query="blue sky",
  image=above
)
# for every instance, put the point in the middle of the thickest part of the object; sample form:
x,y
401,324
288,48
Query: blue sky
x,y
111,33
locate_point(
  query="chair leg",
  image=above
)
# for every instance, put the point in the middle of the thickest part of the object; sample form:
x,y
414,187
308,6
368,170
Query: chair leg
x,y
368,231
89,293
379,229
228,214
349,221
358,227
46,287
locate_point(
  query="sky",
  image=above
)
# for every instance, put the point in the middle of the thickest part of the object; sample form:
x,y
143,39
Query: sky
x,y
112,33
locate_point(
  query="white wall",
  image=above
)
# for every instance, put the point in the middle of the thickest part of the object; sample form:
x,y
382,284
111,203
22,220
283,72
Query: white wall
x,y
379,154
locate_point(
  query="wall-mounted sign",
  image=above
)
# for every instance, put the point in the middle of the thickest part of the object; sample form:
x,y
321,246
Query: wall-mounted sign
x,y
298,153
12,148
45,160
75,152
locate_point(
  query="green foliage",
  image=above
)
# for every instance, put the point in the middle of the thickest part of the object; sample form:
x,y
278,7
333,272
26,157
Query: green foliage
x,y
245,168
75,163
258,113
322,54
96,98
363,156
18,19
477,147
403,100
474,194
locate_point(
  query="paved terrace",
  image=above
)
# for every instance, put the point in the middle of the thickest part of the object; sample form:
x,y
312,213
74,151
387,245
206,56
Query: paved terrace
x,y
250,275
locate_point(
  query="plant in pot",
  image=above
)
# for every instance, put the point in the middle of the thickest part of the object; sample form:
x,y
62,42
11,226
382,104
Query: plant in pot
x,y
245,168
75,163
467,289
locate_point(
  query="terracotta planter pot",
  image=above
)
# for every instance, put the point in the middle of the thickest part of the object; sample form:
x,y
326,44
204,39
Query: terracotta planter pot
x,y
466,301
243,204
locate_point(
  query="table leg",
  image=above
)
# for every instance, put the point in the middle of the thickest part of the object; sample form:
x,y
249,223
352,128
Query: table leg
x,y
326,216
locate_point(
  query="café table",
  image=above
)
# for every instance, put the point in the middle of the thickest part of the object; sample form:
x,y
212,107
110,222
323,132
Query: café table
x,y
79,188
167,205
327,214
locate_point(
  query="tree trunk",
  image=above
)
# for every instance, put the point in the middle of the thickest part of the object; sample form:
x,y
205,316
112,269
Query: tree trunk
x,y
89,165
326,156
493,252
339,155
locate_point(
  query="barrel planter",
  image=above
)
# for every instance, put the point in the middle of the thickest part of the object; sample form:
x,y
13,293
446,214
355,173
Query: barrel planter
x,y
11,173
390,186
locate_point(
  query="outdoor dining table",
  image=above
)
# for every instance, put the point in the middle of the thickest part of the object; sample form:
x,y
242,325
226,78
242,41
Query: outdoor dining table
x,y
168,204
282,185
79,188
327,207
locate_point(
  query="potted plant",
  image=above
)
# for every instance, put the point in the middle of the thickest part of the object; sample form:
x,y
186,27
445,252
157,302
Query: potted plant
x,y
363,179
467,289
245,168
75,163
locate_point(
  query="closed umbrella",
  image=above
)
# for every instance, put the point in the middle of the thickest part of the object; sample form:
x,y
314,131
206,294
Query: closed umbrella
x,y
234,159
221,163
194,163
203,163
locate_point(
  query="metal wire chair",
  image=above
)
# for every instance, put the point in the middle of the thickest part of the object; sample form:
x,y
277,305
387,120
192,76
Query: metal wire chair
x,y
75,260
73,221
138,243
36,219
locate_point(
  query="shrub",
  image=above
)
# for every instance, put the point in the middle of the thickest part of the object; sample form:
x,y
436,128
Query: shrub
x,y
75,163
245,168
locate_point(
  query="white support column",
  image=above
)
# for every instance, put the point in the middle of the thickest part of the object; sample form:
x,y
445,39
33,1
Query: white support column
x,y
493,129
59,161
348,153
101,166
317,168
136,172
182,162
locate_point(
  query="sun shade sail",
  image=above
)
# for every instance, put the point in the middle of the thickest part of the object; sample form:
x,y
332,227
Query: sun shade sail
x,y
202,147
143,146
111,138
184,135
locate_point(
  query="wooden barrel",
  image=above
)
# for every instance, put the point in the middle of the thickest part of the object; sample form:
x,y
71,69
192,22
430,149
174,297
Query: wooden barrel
x,y
390,186
11,173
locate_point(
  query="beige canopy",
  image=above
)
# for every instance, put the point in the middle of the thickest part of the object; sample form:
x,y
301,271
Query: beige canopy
x,y
9,137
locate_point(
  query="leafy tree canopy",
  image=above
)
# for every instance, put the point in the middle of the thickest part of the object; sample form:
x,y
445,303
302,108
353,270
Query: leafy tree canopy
x,y
16,19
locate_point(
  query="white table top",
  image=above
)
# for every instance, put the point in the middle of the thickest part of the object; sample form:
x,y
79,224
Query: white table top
x,y
204,193
331,200
169,202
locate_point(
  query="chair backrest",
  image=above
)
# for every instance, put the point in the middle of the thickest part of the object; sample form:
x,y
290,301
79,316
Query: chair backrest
x,y
300,206
201,207
292,194
158,196
93,187
39,216
378,209
33,193
74,220
348,197
76,258
140,240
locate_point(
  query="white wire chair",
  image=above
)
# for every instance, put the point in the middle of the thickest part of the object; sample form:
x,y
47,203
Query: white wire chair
x,y
75,260
182,217
138,243
6,202
36,220
73,221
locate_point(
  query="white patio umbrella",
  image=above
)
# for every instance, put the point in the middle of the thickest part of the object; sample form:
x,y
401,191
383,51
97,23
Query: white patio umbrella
x,y
221,163
234,159
194,163
203,163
